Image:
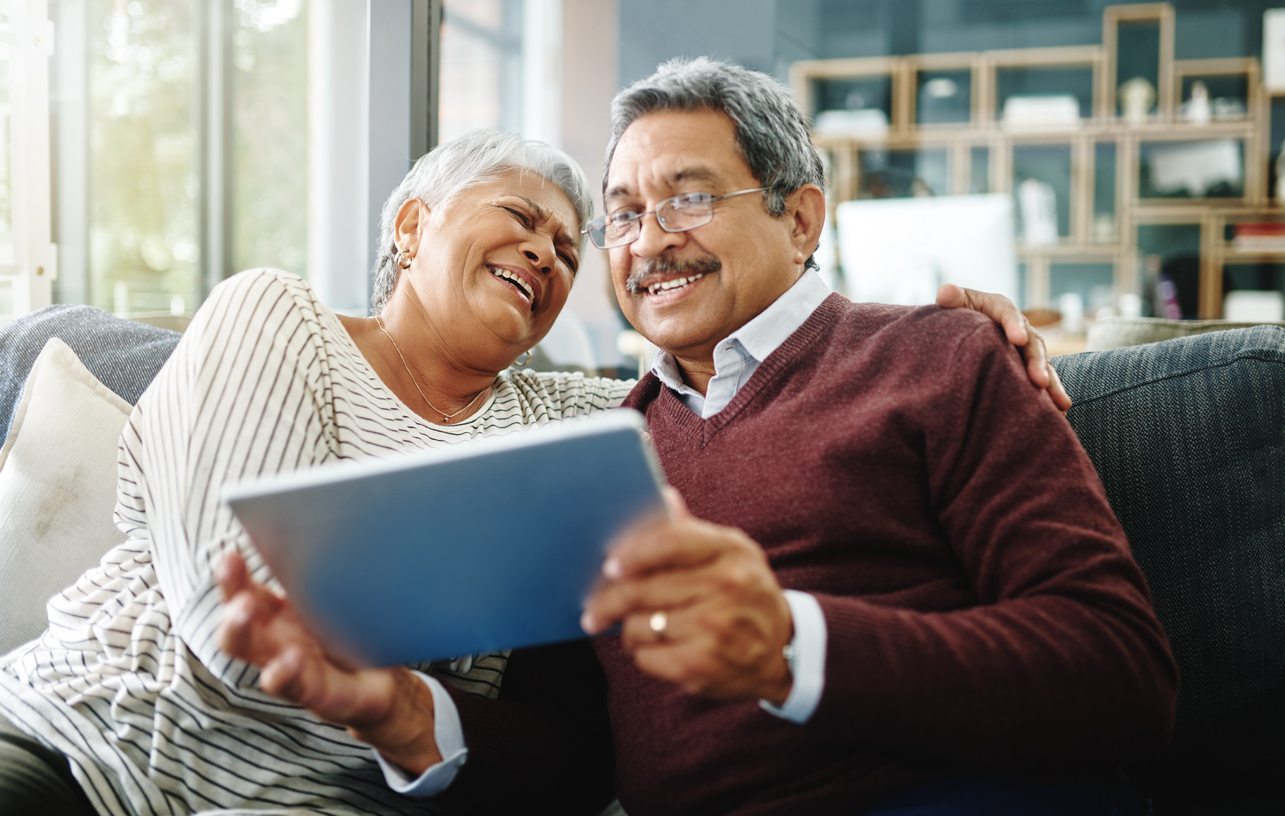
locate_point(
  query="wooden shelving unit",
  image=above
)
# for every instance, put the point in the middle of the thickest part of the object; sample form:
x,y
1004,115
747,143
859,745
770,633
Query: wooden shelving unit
x,y
1101,127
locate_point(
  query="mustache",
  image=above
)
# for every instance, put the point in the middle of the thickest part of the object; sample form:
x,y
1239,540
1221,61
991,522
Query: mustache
x,y
670,266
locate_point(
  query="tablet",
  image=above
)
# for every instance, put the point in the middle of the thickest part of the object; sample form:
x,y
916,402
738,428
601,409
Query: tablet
x,y
480,546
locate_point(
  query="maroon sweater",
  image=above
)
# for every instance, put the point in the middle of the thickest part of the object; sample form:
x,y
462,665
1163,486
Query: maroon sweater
x,y
983,611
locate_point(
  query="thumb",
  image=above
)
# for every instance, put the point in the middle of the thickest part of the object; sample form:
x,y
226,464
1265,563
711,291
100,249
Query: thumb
x,y
674,503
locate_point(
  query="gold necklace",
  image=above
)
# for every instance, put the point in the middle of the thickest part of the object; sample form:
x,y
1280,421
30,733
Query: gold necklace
x,y
445,416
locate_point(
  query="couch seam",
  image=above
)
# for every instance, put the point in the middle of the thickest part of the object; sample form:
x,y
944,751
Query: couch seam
x,y
1271,357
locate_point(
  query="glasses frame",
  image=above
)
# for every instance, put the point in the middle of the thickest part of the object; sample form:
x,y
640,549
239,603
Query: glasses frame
x,y
635,219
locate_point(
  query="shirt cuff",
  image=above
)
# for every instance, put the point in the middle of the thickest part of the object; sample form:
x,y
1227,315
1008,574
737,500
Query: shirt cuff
x,y
809,659
449,734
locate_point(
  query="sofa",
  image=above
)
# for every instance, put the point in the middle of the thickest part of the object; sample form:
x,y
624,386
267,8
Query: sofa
x,y
1188,436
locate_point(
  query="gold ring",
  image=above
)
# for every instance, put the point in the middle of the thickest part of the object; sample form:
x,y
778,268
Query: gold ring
x,y
658,623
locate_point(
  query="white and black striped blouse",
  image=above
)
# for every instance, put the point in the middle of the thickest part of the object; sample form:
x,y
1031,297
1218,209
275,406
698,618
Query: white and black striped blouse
x,y
127,681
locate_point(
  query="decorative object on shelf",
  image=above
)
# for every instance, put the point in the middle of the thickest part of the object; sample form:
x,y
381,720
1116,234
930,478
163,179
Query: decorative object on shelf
x,y
1196,110
1071,305
1129,305
1037,202
864,122
1104,228
1195,168
1274,50
1055,111
1167,298
1280,175
1259,237
1228,108
1250,306
1136,98
941,88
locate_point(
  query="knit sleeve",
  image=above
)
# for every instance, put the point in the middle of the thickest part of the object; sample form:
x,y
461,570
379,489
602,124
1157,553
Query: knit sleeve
x,y
1062,660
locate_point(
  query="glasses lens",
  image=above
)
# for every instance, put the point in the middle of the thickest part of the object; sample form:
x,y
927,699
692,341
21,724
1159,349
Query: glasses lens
x,y
614,233
595,235
683,213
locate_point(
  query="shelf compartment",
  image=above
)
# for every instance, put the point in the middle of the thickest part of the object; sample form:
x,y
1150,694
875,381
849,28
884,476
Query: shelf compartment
x,y
1138,39
1203,170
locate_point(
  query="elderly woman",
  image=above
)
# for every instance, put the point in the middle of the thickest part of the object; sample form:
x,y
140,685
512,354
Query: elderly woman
x,y
127,705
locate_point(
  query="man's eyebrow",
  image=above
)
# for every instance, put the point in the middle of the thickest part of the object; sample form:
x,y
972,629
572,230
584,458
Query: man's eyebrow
x,y
694,173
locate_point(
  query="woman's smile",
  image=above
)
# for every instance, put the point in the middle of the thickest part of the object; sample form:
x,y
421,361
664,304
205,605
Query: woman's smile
x,y
523,282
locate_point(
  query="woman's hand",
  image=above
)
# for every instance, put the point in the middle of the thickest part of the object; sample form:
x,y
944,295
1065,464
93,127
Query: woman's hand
x,y
1019,332
389,709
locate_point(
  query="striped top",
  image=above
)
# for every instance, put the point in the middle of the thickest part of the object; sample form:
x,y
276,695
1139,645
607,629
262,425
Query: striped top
x,y
127,681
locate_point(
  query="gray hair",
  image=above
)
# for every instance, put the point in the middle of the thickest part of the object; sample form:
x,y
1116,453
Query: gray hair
x,y
771,131
449,169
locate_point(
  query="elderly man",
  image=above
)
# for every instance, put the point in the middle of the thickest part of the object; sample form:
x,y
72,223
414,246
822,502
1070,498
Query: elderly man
x,y
895,585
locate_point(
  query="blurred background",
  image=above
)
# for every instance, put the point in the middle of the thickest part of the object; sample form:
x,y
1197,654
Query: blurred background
x,y
1083,157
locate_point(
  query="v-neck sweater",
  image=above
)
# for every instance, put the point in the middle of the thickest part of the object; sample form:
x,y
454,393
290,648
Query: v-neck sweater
x,y
982,608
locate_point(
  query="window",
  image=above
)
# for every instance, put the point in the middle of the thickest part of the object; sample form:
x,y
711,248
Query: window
x,y
181,147
26,252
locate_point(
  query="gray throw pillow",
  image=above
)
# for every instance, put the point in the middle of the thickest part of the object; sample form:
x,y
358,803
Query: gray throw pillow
x,y
121,354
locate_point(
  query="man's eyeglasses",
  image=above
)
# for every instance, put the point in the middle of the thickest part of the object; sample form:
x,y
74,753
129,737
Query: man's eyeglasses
x,y
678,214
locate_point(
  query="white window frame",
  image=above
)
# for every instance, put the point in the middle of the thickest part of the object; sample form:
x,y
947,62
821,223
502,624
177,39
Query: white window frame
x,y
34,266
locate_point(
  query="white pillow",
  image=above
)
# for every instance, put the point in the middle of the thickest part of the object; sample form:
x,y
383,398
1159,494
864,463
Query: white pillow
x,y
57,488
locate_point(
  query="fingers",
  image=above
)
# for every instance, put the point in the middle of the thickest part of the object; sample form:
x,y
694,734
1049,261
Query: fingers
x,y
282,676
231,574
245,631
664,564
715,649
625,600
997,307
1037,360
1019,332
950,296
663,544
1058,391
674,503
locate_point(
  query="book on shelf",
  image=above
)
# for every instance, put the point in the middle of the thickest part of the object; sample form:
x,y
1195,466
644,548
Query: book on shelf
x,y
1259,237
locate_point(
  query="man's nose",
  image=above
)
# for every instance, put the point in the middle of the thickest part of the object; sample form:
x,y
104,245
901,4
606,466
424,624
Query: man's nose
x,y
653,239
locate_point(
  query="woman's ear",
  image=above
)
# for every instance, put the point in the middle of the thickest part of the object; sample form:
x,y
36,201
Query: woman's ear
x,y
805,208
406,227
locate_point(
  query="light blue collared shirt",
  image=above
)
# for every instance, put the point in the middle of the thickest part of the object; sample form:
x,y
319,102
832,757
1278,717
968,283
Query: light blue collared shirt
x,y
736,358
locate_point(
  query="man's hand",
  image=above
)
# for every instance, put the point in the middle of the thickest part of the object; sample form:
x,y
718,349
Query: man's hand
x,y
389,709
699,606
1019,332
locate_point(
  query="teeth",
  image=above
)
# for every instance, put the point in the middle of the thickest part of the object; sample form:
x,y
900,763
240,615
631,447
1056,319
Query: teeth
x,y
505,274
676,283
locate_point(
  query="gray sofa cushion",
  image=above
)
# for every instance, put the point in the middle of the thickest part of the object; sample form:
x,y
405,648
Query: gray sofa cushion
x,y
1188,436
122,354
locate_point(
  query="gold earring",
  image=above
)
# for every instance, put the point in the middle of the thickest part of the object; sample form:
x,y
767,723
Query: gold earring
x,y
404,258
516,364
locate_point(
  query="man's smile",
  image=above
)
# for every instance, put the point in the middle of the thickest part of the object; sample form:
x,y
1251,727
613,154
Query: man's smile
x,y
665,274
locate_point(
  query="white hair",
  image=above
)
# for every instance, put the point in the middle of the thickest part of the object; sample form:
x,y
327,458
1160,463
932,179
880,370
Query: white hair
x,y
449,169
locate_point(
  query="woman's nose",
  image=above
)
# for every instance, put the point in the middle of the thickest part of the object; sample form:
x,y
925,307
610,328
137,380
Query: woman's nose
x,y
535,258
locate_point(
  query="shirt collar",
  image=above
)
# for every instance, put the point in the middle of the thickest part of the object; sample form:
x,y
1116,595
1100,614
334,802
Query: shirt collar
x,y
762,335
